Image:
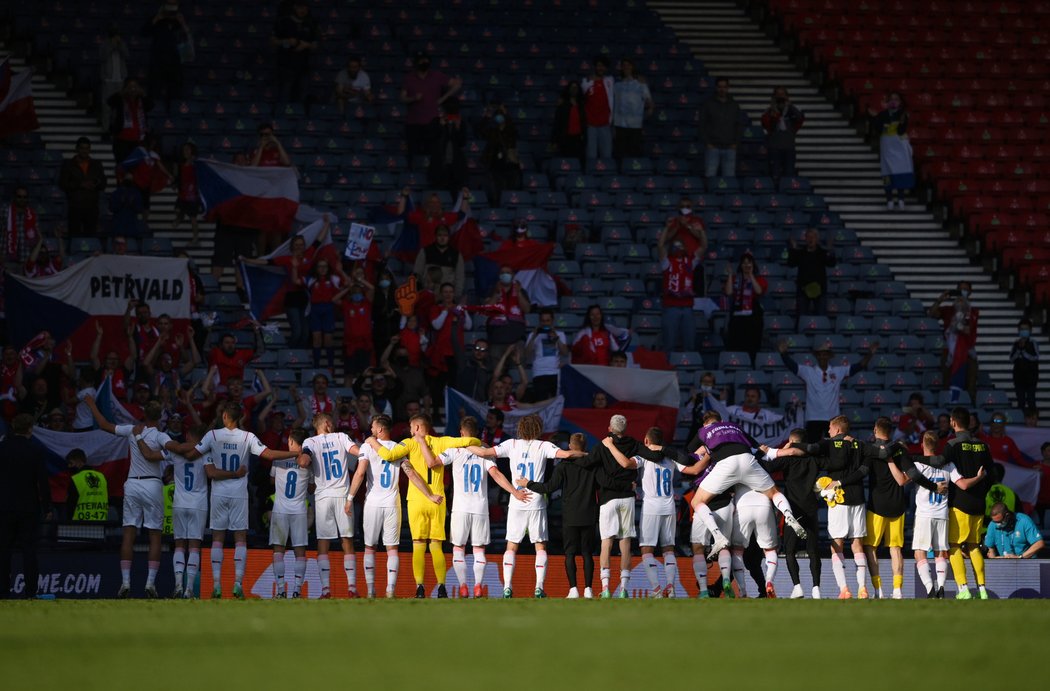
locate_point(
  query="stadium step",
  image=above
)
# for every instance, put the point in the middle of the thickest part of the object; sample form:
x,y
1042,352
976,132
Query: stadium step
x,y
843,168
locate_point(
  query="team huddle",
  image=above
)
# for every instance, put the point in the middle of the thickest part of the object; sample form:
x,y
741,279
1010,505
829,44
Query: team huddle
x,y
734,500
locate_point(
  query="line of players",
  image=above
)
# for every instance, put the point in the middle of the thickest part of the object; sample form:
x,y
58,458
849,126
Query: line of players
x,y
736,496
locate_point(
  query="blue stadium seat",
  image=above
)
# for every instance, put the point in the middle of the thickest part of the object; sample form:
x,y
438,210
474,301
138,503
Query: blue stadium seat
x,y
295,358
902,381
732,361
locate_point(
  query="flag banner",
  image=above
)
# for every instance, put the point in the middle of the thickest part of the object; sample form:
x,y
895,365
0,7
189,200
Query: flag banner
x,y
593,423
266,285
248,197
108,403
358,241
766,426
898,171
17,112
647,398
68,303
106,453
529,262
458,405
144,167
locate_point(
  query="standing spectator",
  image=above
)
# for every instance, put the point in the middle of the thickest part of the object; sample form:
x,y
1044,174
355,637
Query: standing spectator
x,y
125,205
689,229
721,127
500,155
448,163
229,360
42,262
474,369
187,199
269,152
356,302
678,323
442,256
448,321
24,495
431,215
151,175
632,103
128,123
113,68
295,36
959,318
83,180
1025,356
506,308
424,91
823,383
352,84
20,231
596,341
386,315
811,281
781,121
898,170
570,123
598,107
170,34
322,287
545,349
1001,446
744,290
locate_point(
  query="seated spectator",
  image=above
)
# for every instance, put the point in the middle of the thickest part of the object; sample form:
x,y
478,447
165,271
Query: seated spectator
x,y
352,84
500,155
811,281
744,291
443,256
569,132
596,341
1025,355
545,349
1012,535
20,232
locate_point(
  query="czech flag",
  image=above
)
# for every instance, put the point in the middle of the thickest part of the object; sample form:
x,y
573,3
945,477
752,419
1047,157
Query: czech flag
x,y
647,398
266,285
458,405
145,169
248,197
106,453
529,261
17,113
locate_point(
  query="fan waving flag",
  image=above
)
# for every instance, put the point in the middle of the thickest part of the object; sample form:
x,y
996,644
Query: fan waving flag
x,y
648,398
106,453
263,198
529,260
458,405
17,112
266,285
145,169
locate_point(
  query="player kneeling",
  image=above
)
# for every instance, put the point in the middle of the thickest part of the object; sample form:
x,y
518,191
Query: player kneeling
x,y
288,522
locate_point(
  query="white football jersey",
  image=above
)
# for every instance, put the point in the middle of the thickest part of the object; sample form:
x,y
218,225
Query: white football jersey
x,y
154,438
228,449
191,483
290,484
470,477
657,485
929,503
383,477
528,459
332,465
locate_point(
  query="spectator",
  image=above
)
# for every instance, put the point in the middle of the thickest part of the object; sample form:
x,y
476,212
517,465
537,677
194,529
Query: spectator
x,y
269,152
386,315
823,383
1012,535
170,35
744,290
598,90
38,402
959,318
42,262
545,349
721,127
128,123
83,180
385,390
187,199
618,359
474,369
699,404
151,174
20,231
229,360
424,91
1025,356
1001,446
412,383
915,420
632,103
125,205
811,281
113,369
599,401
448,321
356,303
500,155
689,229
505,396
318,401
506,308
352,84
12,384
443,257
898,171
596,341
1044,485
781,121
431,215
570,123
142,332
679,269
113,68
448,164
26,496
323,286
295,36
493,434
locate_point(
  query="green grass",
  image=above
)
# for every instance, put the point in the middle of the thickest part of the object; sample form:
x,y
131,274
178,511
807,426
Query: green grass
x,y
521,644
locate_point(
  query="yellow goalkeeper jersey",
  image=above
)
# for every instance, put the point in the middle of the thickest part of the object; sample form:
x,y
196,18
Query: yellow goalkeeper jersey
x,y
434,477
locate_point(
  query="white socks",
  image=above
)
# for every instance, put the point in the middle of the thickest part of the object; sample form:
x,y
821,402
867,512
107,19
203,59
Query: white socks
x,y
652,570
606,576
700,571
240,559
923,568
178,562
625,578
838,569
541,568
479,565
782,505
739,572
125,572
670,569
941,567
724,563
324,567
350,569
152,567
300,573
771,565
508,568
393,562
861,561
459,564
278,571
370,570
193,565
708,517
216,563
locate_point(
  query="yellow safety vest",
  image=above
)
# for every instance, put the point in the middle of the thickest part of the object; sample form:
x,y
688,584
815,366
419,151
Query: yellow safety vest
x,y
169,497
92,497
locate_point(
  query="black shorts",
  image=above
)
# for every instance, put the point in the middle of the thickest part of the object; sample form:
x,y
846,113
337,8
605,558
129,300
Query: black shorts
x,y
232,242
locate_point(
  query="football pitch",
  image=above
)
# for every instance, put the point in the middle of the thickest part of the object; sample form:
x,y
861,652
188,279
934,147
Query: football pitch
x,y
456,644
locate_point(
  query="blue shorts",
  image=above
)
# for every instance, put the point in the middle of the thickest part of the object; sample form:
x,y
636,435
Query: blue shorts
x,y
322,317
